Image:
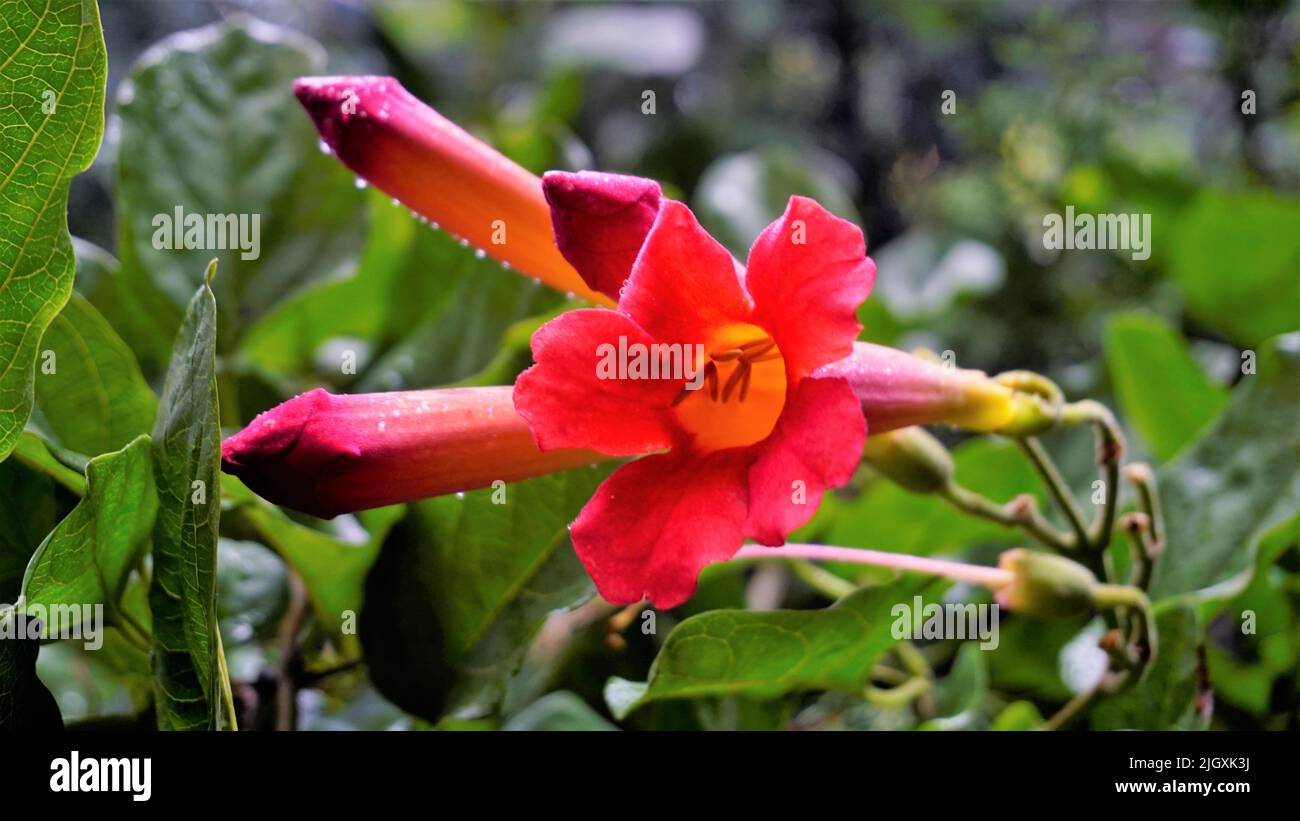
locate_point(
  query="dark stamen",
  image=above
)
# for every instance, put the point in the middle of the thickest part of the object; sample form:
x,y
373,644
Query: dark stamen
x,y
757,348
732,381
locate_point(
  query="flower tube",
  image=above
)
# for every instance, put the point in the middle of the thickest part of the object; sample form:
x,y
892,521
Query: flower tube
x,y
324,454
409,151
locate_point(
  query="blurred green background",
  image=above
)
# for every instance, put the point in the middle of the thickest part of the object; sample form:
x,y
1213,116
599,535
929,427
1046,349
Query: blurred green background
x,y
1130,107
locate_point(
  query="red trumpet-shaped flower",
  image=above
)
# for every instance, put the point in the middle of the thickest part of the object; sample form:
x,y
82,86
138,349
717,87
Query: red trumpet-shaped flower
x,y
751,440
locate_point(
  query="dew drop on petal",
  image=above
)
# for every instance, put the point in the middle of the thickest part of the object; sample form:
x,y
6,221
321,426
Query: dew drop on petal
x,y
324,147
361,184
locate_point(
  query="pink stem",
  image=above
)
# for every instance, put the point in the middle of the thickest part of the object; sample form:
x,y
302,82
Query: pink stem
x,y
991,577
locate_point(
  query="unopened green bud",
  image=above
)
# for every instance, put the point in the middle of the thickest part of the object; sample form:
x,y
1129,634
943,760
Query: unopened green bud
x,y
910,457
1046,585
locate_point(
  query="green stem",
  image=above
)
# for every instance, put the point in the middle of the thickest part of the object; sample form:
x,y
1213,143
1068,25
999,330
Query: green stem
x,y
913,660
1144,480
227,697
1056,486
900,696
1110,597
822,580
1110,450
1138,528
1028,518
1071,709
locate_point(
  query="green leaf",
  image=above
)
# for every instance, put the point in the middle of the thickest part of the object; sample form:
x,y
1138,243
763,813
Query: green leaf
x,y
25,704
1165,699
93,398
461,587
1162,391
186,455
468,307
1240,479
421,310
768,654
224,93
1236,257
51,121
87,558
559,711
1260,642
333,570
962,691
36,453
373,305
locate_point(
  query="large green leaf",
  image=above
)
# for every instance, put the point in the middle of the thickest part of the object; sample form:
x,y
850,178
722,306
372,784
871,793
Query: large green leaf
x,y
1236,257
52,75
1238,481
768,654
223,94
87,558
463,584
186,455
93,397
1162,392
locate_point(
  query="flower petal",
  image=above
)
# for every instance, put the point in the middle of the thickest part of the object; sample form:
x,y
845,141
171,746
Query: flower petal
x,y
684,284
600,222
817,442
808,272
657,521
568,404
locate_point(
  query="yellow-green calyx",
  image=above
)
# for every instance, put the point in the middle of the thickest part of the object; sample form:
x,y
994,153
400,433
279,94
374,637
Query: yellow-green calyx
x,y
1046,585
